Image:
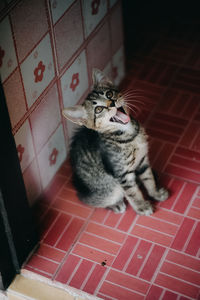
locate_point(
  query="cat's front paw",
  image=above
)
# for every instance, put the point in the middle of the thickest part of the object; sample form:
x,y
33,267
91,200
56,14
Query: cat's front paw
x,y
161,194
144,209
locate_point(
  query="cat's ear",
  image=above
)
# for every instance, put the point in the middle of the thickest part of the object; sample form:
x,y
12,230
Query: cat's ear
x,y
76,114
99,78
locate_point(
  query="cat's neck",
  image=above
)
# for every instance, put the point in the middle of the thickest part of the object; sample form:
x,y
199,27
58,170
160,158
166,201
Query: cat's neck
x,y
126,133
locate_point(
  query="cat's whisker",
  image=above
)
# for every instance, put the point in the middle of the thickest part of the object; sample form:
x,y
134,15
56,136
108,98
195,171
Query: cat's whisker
x,y
133,108
131,90
135,96
134,101
130,103
133,93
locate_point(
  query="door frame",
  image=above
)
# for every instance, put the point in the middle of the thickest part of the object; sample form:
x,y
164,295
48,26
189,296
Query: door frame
x,y
18,234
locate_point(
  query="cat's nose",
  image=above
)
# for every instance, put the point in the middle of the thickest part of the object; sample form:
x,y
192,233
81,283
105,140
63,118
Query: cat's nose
x,y
112,103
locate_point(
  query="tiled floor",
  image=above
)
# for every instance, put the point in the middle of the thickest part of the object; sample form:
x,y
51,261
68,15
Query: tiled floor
x,y
126,256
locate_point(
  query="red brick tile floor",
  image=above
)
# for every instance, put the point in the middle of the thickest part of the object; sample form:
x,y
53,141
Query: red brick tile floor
x,y
126,256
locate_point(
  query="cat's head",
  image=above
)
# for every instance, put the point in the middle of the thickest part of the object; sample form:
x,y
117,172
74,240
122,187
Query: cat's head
x,y
104,108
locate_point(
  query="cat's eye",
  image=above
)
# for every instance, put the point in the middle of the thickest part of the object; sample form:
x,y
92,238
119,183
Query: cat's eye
x,y
109,94
98,109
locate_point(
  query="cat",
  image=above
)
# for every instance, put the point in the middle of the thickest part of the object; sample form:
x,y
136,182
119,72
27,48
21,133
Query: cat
x,y
109,152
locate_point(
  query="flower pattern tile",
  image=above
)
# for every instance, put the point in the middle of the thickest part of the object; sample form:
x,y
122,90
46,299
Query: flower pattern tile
x,y
38,70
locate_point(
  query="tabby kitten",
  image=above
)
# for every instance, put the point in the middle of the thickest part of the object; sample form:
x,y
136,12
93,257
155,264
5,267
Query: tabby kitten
x,y
109,152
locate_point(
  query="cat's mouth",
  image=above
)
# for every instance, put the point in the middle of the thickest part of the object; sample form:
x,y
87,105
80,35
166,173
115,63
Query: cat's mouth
x,y
120,116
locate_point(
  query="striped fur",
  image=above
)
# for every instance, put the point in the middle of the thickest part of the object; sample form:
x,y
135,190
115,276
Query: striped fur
x,y
109,152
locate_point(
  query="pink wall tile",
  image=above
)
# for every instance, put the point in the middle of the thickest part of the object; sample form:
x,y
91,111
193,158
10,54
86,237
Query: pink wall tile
x,y
51,156
116,28
8,60
29,24
46,117
118,70
58,8
16,105
93,13
24,144
108,70
66,42
96,58
38,70
74,81
32,182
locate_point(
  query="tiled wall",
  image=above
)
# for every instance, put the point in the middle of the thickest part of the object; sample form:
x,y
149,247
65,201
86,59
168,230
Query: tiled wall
x,y
47,51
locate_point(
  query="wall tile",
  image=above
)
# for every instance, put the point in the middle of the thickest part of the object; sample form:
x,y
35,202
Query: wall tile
x,y
99,59
93,13
24,144
58,8
74,82
45,119
17,103
38,70
32,182
118,71
108,70
8,60
71,128
51,156
29,24
116,25
68,34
